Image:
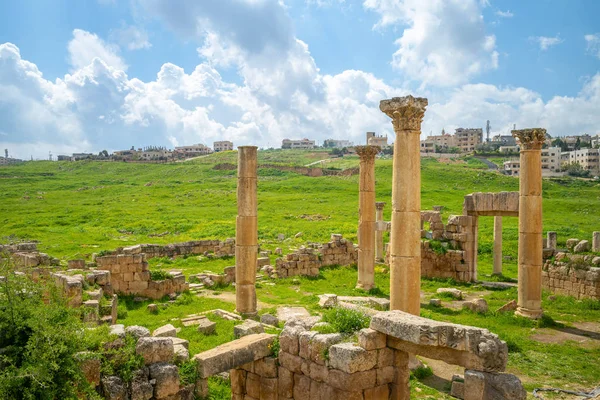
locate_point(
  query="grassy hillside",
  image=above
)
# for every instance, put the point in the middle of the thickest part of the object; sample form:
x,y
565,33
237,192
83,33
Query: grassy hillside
x,y
76,209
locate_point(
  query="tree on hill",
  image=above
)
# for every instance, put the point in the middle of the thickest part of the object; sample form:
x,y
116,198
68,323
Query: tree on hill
x,y
575,169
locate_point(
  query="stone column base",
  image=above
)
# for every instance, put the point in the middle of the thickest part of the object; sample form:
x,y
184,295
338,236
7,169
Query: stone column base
x,y
527,313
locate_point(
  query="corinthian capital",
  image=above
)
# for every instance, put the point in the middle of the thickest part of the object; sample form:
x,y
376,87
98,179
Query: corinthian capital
x,y
367,153
530,139
406,112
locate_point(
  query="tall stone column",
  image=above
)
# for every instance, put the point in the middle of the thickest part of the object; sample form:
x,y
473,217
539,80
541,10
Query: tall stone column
x,y
596,242
246,232
405,240
530,222
498,245
378,231
366,221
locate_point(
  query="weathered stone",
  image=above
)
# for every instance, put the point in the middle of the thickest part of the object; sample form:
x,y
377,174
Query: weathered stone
x,y
571,243
181,342
377,393
90,365
327,300
582,247
510,306
320,344
152,308
137,331
370,339
492,386
114,388
288,339
166,377
457,294
457,389
269,319
233,354
301,387
352,382
266,367
155,349
471,347
206,326
140,386
118,329
248,327
286,383
286,313
181,354
351,358
165,331
435,302
476,305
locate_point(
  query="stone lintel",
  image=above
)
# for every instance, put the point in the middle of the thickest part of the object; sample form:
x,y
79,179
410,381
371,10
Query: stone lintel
x,y
468,346
530,139
367,153
406,112
234,354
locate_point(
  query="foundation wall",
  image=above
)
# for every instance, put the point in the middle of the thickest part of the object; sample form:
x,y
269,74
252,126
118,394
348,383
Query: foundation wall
x,y
576,276
194,247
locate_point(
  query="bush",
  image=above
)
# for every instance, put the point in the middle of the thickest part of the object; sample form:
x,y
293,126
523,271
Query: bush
x,y
158,275
120,358
422,372
345,320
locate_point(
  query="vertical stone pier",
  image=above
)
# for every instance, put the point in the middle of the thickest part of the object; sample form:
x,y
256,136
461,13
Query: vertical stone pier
x,y
551,240
246,232
596,242
366,221
379,231
497,245
405,241
530,222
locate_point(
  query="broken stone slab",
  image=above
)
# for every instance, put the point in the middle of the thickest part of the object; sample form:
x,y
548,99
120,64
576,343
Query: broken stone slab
x,y
248,327
192,320
582,247
269,319
165,331
234,354
510,306
180,354
351,358
180,342
497,285
467,346
328,300
476,305
137,331
435,302
155,349
207,327
492,386
286,313
379,303
457,294
226,314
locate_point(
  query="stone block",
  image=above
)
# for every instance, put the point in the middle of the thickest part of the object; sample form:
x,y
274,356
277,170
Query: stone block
x,y
476,305
181,354
137,331
165,331
377,393
304,339
370,339
155,349
318,372
253,385
492,386
206,326
291,362
114,388
327,300
582,247
352,382
269,319
457,294
266,367
90,366
248,327
350,358
320,344
140,386
285,385
288,339
166,377
237,378
301,387
268,388
385,375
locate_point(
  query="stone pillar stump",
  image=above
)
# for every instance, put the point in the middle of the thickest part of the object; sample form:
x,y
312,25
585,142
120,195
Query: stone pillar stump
x,y
497,245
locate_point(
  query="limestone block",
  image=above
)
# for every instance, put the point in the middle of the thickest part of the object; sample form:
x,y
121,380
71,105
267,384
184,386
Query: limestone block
x,y
304,339
492,386
206,326
457,294
571,243
238,381
233,354
155,349
288,339
291,362
167,380
248,327
140,386
114,388
370,339
165,331
467,346
385,357
137,331
350,358
320,344
90,366
266,367
435,302
352,382
582,247
385,375
118,329
476,305
269,319
285,385
376,393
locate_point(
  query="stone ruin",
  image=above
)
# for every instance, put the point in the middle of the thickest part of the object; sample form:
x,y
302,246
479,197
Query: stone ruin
x,y
194,247
569,273
27,255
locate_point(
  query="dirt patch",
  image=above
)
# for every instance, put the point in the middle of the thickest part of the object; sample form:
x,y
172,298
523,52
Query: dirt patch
x,y
230,298
586,334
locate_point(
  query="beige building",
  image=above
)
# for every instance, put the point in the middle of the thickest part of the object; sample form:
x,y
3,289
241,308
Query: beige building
x,y
374,140
192,151
467,139
222,145
589,159
443,142
551,163
297,144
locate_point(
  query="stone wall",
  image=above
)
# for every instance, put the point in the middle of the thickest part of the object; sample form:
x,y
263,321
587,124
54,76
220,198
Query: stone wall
x,y
450,264
129,274
193,247
573,275
308,261
26,255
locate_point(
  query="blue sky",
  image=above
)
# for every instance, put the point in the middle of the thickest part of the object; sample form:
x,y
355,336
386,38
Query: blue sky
x,y
106,74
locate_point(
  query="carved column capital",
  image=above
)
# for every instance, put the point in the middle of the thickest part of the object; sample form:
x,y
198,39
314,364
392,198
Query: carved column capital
x,y
406,112
379,205
367,153
530,139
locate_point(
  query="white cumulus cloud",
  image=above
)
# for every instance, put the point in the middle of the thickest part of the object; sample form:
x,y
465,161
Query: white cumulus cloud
x,y
131,37
86,46
546,42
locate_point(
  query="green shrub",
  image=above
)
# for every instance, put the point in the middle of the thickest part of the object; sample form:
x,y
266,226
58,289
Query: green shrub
x,y
121,359
422,372
345,320
275,347
324,329
158,275
188,372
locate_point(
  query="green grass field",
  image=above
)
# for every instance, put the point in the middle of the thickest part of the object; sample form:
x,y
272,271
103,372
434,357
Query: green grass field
x,y
76,209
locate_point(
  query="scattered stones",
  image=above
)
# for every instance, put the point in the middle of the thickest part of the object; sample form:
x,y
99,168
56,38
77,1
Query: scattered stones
x,y
155,349
510,306
435,302
297,235
328,300
165,331
207,327
269,319
152,308
248,327
477,305
457,294
193,320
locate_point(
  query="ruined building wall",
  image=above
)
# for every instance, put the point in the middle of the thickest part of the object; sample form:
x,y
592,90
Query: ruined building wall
x,y
193,247
573,275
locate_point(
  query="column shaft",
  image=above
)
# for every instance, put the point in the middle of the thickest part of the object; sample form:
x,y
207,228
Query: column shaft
x,y
498,245
246,233
378,232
